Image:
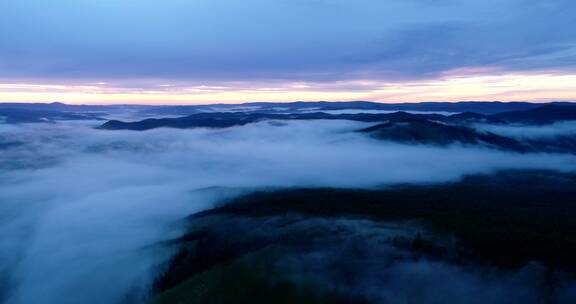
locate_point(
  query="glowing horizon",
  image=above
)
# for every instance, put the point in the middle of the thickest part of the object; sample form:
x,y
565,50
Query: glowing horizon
x,y
451,88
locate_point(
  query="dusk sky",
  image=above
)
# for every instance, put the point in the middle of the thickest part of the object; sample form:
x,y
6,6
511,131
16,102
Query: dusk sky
x,y
206,51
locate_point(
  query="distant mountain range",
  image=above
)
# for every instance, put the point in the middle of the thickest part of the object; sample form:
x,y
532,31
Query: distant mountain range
x,y
229,119
541,114
425,129
425,132
544,114
481,107
421,131
419,123
17,115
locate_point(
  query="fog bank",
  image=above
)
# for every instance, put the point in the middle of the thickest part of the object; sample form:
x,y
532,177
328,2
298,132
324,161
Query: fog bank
x,y
84,211
550,131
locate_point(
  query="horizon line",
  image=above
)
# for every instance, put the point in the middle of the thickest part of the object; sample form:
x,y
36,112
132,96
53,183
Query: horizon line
x,y
567,100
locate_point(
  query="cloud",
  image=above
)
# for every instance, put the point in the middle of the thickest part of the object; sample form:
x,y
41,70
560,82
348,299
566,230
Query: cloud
x,y
81,206
521,37
550,131
223,40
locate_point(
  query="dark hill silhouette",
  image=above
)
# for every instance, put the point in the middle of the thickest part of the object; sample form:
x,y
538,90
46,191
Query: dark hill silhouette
x,y
420,131
225,120
545,114
481,107
27,116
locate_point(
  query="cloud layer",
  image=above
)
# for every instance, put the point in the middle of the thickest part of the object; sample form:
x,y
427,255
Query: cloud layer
x,y
255,44
82,206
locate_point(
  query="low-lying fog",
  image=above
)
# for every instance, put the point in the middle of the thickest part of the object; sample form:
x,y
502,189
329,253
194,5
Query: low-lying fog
x,y
83,211
563,128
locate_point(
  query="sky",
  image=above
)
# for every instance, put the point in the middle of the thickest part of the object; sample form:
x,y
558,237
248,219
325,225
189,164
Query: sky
x,y
205,51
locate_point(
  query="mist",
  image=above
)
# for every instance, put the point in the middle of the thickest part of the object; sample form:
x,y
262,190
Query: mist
x,y
359,260
519,131
85,212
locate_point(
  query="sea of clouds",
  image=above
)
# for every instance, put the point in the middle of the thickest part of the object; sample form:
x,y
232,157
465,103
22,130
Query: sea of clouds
x,y
84,212
521,131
